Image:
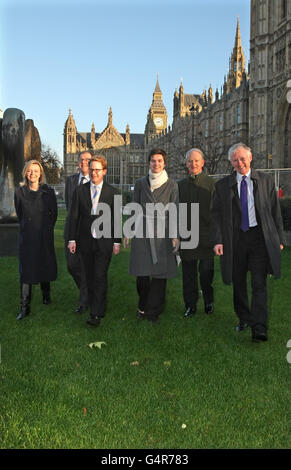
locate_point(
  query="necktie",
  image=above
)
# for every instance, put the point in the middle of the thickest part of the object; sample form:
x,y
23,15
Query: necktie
x,y
244,204
94,200
83,180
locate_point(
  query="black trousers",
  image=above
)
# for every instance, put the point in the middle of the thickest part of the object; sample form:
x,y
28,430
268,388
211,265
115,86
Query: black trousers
x,y
152,295
96,264
76,269
190,280
251,255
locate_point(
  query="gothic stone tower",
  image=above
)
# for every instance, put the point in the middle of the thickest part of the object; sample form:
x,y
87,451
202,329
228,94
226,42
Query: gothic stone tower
x,y
270,58
157,119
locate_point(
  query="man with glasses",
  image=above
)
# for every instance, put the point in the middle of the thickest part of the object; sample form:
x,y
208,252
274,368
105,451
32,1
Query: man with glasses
x,y
96,248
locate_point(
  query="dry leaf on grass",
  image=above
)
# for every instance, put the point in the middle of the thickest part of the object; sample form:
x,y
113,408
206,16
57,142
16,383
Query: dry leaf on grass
x,y
97,344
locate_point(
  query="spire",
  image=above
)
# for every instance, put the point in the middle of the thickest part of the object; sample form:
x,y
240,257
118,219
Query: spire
x,y
237,62
157,89
110,117
237,36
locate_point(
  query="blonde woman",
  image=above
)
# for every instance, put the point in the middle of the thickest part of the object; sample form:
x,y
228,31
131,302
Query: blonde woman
x,y
36,209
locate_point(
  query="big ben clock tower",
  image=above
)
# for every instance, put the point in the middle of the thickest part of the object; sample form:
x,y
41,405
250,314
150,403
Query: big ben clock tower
x,y
157,119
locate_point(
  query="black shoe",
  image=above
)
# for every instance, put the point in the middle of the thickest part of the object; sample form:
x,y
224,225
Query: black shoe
x,y
209,308
189,311
258,336
22,315
241,327
46,300
80,309
93,321
140,315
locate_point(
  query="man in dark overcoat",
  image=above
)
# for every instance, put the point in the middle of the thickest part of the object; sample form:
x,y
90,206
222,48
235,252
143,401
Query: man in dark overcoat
x,y
96,248
197,188
74,261
247,234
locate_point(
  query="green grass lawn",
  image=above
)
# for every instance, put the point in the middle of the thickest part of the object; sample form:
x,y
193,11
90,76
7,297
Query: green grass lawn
x,y
179,384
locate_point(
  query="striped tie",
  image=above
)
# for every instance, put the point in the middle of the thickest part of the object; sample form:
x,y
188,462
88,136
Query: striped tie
x,y
94,200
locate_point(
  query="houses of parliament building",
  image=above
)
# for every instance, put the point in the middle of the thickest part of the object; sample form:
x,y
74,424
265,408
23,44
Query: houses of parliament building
x,y
250,107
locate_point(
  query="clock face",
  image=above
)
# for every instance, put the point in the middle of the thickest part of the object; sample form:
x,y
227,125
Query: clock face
x,y
158,121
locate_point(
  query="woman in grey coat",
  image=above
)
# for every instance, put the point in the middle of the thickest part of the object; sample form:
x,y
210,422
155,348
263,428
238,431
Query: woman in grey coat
x,y
152,257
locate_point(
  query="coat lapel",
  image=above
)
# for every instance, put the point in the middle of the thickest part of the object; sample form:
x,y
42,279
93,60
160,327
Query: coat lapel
x,y
87,194
234,192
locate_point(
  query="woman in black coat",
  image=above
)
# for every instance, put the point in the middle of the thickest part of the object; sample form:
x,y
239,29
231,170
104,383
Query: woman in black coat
x,y
36,209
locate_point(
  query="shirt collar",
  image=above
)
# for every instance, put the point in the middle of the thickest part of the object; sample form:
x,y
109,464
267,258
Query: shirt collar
x,y
83,176
239,176
99,186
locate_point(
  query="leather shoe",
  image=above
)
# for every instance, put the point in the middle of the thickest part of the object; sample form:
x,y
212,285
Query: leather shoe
x,y
209,308
241,327
189,311
93,321
140,315
22,315
80,309
258,336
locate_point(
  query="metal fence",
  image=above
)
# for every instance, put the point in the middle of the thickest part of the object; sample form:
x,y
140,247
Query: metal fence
x,y
282,179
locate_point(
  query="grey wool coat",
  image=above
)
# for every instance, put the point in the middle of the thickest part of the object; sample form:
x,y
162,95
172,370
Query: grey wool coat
x,y
153,256
226,220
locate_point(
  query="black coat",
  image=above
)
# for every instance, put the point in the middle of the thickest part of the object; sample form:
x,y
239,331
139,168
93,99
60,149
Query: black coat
x,y
198,190
72,182
37,214
226,220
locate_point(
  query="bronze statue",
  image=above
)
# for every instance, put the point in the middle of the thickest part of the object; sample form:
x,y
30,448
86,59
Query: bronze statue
x,y
19,142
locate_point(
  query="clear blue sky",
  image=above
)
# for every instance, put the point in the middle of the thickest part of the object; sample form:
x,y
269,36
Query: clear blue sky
x,y
89,55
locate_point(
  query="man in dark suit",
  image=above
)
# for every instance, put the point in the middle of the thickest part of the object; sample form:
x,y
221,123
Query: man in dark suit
x,y
247,234
74,262
95,248
197,188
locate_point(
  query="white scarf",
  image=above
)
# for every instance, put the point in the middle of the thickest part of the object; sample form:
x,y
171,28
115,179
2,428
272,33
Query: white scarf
x,y
157,179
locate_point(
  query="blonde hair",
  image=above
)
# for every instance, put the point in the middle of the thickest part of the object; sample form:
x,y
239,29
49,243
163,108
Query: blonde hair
x,y
101,159
24,181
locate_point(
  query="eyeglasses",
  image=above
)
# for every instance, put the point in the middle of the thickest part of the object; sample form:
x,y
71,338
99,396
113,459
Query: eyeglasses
x,y
96,170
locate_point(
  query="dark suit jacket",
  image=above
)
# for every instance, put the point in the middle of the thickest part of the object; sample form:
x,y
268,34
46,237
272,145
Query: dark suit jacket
x,y
71,185
80,219
226,220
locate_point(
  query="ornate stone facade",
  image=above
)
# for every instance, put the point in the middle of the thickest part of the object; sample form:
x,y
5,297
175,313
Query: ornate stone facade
x,y
270,69
251,106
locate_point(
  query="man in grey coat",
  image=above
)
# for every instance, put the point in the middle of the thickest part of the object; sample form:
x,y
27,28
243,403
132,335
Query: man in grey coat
x,y
74,261
247,234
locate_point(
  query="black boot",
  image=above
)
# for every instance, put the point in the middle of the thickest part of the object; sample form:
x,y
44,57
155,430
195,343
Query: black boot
x,y
25,298
46,292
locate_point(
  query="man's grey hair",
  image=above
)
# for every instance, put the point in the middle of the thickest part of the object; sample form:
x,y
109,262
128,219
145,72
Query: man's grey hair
x,y
234,148
193,150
